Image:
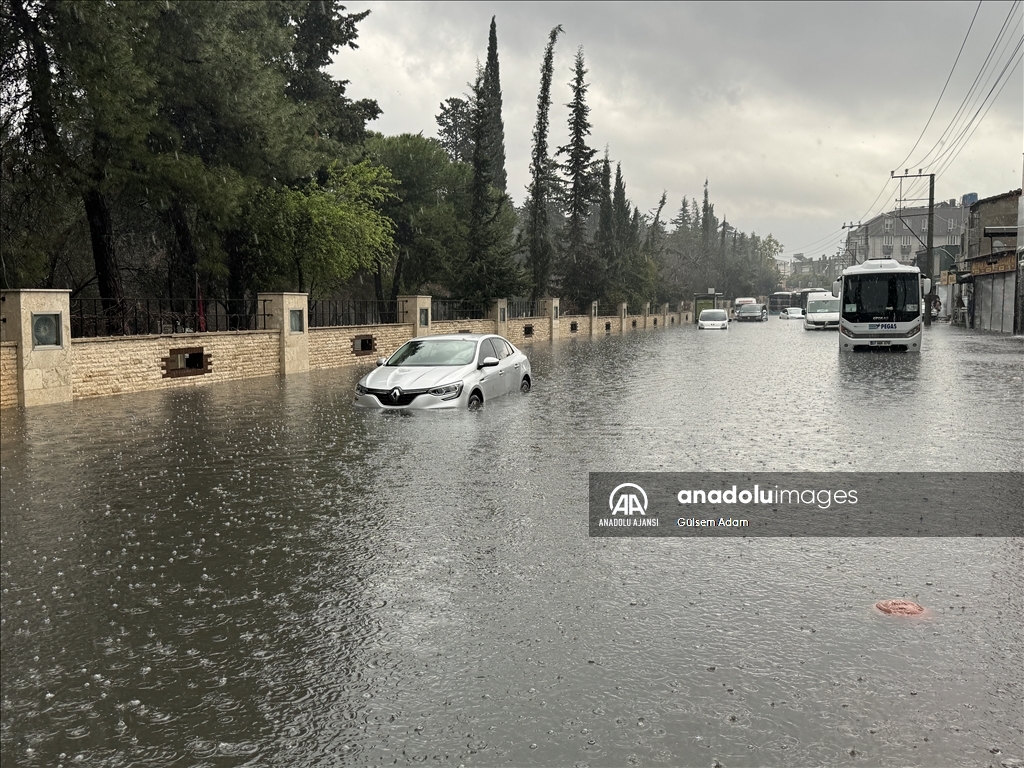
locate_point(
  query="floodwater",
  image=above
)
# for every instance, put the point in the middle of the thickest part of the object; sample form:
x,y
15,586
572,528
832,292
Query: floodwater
x,y
256,573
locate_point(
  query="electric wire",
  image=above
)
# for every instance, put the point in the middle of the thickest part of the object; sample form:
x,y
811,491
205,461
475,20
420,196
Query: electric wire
x,y
944,86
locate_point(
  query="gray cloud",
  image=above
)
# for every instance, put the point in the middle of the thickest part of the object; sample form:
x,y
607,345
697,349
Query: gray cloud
x,y
795,112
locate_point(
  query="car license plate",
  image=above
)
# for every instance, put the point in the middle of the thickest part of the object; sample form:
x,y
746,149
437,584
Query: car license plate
x,y
880,343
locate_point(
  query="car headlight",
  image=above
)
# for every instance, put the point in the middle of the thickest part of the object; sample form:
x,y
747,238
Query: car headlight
x,y
361,390
447,391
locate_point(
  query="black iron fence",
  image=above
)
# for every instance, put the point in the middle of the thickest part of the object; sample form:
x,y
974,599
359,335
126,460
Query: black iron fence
x,y
521,308
330,313
139,317
451,309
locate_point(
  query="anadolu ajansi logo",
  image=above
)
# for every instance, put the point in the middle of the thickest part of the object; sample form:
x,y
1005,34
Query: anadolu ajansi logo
x,y
626,502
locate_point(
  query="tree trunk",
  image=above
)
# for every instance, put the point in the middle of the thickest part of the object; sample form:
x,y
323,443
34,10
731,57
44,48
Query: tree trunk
x,y
108,275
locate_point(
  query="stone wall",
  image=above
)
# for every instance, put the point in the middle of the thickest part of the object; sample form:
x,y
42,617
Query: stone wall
x,y
334,347
8,374
458,326
515,330
116,365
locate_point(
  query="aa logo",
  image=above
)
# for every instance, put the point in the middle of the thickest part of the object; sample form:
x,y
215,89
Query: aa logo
x,y
628,499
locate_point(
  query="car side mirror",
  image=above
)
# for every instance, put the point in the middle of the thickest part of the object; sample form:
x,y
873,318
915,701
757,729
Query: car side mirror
x,y
836,286
381,361
488,362
927,286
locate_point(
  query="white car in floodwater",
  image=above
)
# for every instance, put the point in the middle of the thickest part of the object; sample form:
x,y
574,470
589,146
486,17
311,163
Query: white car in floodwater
x,y
713,320
460,370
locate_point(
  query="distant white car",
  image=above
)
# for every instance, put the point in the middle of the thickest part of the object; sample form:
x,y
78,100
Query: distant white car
x,y
461,370
713,320
791,313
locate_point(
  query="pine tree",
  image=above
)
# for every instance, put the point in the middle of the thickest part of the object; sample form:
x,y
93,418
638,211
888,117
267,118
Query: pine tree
x,y
538,236
453,129
582,279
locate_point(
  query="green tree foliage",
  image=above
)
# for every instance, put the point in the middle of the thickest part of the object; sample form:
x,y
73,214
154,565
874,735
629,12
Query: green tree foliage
x,y
453,129
701,252
164,119
582,273
538,237
318,237
429,231
487,269
490,106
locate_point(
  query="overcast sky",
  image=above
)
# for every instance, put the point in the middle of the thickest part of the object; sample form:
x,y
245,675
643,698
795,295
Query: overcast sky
x,y
795,112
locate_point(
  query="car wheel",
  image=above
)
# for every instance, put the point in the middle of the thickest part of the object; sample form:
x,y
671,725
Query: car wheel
x,y
525,386
475,401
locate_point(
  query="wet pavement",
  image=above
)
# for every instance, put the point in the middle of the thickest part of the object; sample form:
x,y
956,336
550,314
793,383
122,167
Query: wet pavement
x,y
256,573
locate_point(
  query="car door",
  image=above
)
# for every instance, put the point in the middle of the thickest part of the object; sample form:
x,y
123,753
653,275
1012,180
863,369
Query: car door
x,y
492,380
510,364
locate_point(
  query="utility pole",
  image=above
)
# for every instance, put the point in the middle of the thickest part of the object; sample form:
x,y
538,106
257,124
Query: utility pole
x,y
929,256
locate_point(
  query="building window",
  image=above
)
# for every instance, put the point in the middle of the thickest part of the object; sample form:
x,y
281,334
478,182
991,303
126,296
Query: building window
x,y
924,225
952,224
888,226
46,330
295,324
905,242
887,240
952,239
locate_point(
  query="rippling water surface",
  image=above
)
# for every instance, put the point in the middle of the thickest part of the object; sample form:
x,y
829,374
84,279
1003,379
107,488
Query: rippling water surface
x,y
258,574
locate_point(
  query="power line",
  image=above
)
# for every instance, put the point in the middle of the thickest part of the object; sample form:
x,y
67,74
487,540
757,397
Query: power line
x,y
948,77
970,95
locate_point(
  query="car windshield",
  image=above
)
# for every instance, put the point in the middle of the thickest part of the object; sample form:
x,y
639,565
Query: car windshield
x,y
891,296
429,352
713,314
750,309
822,305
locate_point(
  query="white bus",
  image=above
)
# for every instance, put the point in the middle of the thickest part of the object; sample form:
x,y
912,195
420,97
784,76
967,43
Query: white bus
x,y
881,306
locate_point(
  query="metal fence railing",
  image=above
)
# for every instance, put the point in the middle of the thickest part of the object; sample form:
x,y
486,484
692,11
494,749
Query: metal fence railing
x,y
521,308
452,309
329,313
91,318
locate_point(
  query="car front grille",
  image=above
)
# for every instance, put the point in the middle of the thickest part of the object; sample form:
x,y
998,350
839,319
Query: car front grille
x,y
405,399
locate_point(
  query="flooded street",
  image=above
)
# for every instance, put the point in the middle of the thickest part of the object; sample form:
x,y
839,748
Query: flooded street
x,y
257,573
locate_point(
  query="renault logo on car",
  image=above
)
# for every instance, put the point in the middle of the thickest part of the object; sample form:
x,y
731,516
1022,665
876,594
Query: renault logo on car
x,y
626,498
395,394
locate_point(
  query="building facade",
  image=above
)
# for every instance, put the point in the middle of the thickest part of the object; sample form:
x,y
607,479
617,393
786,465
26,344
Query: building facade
x,y
988,271
901,233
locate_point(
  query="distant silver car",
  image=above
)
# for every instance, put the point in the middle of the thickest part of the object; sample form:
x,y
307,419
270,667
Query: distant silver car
x,y
791,313
461,370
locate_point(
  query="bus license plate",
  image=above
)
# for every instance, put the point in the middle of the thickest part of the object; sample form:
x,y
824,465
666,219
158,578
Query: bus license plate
x,y
880,343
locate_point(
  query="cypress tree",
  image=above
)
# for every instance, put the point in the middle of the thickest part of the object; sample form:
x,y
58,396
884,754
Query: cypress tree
x,y
494,128
538,236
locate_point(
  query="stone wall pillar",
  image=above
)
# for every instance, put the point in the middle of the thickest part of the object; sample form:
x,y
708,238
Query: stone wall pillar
x,y
593,319
417,312
647,315
549,308
287,313
499,314
623,315
39,322
664,314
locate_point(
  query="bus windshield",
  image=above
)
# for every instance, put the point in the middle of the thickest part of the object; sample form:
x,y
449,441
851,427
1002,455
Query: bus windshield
x,y
892,297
